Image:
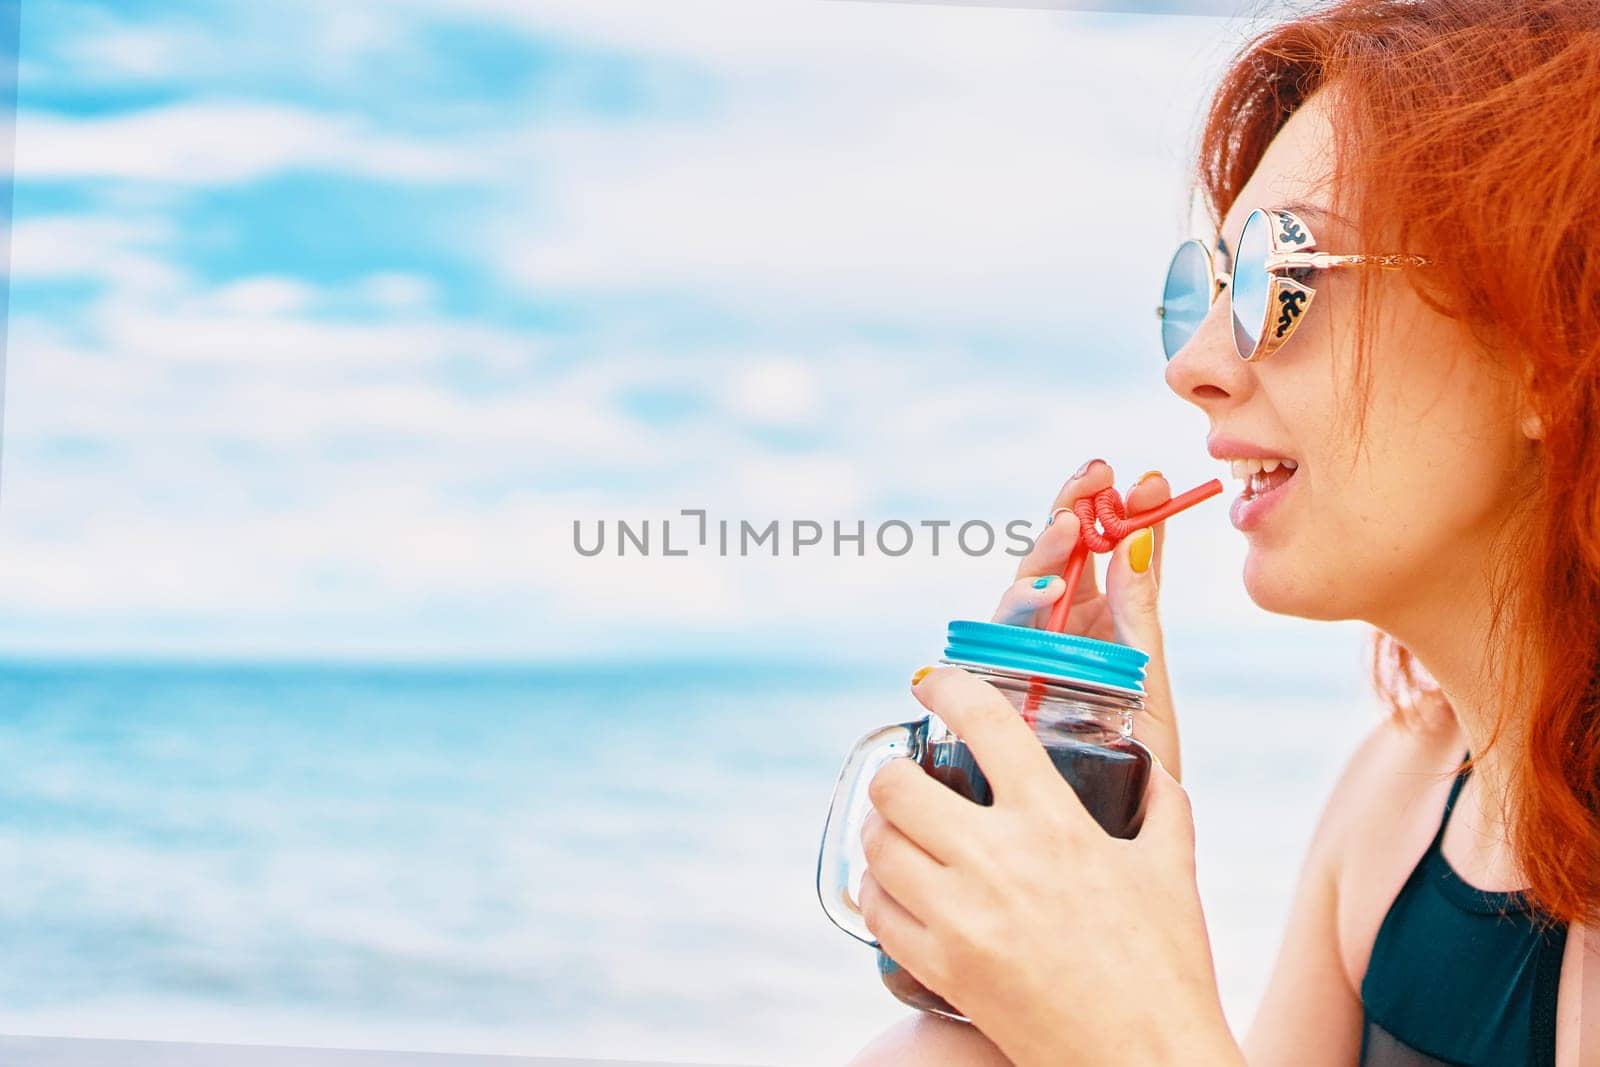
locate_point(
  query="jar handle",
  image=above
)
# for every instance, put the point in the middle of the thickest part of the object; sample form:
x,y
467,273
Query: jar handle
x,y
840,860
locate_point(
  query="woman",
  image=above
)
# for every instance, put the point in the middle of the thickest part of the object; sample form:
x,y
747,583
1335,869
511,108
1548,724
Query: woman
x,y
1422,449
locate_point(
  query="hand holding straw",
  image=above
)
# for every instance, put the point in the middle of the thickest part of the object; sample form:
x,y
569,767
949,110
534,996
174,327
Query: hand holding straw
x,y
1115,523
1107,507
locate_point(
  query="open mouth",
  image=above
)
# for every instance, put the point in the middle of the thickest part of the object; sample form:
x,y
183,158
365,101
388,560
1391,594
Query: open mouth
x,y
1262,476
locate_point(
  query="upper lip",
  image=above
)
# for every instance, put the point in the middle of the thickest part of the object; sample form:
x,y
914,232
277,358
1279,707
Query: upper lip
x,y
1232,448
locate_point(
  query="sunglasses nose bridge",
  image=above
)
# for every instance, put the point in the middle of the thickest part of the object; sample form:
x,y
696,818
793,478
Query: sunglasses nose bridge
x,y
1221,305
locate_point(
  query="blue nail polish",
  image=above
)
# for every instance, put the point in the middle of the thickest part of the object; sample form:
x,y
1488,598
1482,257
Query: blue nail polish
x,y
1040,583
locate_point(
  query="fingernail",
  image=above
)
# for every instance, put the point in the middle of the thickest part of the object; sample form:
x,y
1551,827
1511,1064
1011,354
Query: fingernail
x,y
1146,476
1140,549
1081,471
920,675
1041,583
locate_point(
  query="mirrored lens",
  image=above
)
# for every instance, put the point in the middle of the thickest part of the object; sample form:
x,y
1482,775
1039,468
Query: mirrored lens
x,y
1251,282
1186,296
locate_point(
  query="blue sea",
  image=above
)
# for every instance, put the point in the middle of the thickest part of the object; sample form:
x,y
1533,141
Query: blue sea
x,y
588,860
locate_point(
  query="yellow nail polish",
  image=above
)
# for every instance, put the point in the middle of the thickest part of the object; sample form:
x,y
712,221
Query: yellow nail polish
x,y
920,675
1146,476
1140,549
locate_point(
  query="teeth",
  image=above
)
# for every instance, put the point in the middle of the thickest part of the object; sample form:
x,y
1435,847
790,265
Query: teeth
x,y
1246,470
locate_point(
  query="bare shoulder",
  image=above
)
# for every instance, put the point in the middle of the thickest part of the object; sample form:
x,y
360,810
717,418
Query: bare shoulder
x,y
1378,821
929,1041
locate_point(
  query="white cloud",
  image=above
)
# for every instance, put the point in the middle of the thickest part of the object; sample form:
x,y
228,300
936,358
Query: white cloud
x,y
779,391
397,291
209,142
305,488
120,251
265,297
951,166
124,54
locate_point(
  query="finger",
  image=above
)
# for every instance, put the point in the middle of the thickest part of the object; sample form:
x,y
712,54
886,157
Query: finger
x,y
1168,815
1087,480
1050,549
1132,592
899,932
933,816
1132,596
912,877
1151,490
1010,756
1026,597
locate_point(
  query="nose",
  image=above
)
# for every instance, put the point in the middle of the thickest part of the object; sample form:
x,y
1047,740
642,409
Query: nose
x,y
1207,370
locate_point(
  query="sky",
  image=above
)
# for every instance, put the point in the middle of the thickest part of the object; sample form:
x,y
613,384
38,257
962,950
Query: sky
x,y
328,321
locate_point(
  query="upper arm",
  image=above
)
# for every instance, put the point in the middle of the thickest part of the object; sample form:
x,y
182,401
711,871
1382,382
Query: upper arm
x,y
1311,1011
1578,1002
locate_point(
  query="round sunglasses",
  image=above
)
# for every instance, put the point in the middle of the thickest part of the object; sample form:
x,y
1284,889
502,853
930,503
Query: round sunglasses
x,y
1267,292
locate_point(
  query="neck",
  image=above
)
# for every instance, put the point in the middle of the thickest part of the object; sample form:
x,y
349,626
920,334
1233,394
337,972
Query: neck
x,y
1449,629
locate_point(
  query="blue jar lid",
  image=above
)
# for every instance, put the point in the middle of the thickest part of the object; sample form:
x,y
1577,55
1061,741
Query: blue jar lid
x,y
1048,654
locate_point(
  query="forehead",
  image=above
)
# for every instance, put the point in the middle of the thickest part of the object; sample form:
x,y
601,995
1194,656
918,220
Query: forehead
x,y
1295,167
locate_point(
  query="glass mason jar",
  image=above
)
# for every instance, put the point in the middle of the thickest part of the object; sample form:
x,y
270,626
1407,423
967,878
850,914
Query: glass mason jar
x,y
1079,696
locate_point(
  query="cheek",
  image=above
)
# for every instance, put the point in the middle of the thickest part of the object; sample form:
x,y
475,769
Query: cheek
x,y
1346,543
1440,456
1419,493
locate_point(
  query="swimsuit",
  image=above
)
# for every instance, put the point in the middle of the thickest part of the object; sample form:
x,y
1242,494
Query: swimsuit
x,y
1460,975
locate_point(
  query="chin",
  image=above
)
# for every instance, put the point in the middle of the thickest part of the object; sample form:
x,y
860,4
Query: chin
x,y
1282,586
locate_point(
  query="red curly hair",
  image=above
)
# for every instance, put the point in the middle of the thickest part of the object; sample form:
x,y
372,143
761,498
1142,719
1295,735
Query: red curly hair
x,y
1469,130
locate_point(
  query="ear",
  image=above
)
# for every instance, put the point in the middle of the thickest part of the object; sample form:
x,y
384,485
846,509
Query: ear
x,y
1528,418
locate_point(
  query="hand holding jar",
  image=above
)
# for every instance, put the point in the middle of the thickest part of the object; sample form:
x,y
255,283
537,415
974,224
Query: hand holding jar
x,y
1060,942
1058,913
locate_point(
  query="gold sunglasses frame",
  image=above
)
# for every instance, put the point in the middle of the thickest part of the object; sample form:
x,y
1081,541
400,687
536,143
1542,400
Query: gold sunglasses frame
x,y
1293,250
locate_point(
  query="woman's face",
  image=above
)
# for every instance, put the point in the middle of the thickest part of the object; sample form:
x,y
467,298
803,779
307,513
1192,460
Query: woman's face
x,y
1401,519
